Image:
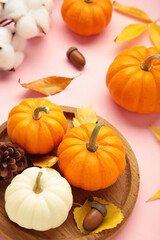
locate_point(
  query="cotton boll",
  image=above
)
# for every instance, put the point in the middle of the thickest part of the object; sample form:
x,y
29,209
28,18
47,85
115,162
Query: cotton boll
x,y
48,4
14,9
18,59
18,42
26,26
42,18
7,57
5,35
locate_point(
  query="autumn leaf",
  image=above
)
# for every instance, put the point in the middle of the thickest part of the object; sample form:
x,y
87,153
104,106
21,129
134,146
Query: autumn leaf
x,y
154,32
44,161
155,196
84,115
156,132
132,12
131,31
112,219
49,85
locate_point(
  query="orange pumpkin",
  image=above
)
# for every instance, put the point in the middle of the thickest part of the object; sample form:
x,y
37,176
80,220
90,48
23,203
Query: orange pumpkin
x,y
86,17
133,79
91,156
37,126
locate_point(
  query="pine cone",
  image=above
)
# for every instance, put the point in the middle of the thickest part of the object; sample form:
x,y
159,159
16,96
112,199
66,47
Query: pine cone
x,y
12,161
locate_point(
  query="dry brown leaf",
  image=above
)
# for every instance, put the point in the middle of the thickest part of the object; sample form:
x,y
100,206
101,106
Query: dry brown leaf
x,y
155,34
44,161
112,219
156,132
155,196
49,85
132,12
84,115
131,31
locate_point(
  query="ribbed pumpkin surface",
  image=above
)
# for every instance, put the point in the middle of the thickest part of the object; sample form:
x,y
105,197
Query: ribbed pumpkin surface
x,y
91,170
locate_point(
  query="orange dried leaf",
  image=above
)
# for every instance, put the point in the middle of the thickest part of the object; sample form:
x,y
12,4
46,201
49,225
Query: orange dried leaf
x,y
49,85
154,32
131,31
44,161
132,12
156,132
112,219
155,196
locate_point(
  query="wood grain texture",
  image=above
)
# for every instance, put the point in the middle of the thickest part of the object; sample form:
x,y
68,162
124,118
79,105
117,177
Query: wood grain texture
x,y
123,194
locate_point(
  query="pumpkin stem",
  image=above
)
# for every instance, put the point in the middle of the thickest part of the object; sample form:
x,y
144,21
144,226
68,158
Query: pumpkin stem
x,y
88,1
37,112
37,187
146,65
92,145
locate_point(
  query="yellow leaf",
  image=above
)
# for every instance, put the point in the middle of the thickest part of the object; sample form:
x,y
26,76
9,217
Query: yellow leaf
x,y
156,131
112,219
44,161
84,115
132,12
131,31
49,85
155,196
154,32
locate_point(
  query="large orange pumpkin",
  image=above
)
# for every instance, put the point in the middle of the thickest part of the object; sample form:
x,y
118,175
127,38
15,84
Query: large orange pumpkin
x,y
91,156
133,79
36,125
86,17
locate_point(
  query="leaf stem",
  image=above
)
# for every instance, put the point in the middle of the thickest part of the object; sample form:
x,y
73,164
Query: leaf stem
x,y
78,204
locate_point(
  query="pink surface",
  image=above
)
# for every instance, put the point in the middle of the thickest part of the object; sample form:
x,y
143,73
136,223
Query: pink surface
x,y
46,56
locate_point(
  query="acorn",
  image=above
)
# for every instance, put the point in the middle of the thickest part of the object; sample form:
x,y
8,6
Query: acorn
x,y
76,57
95,216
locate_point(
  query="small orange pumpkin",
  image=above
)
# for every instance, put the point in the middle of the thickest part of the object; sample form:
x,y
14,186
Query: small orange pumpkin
x,y
86,17
37,126
91,156
133,79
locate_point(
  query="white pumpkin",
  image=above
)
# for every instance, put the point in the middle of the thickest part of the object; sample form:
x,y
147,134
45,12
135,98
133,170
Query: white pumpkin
x,y
41,202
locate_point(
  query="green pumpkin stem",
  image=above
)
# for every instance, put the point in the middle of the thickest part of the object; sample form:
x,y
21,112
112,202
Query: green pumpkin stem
x,y
146,65
88,1
92,145
37,112
37,186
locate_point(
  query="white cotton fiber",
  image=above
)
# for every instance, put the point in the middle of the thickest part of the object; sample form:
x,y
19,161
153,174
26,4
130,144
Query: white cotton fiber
x,y
42,18
7,57
26,27
14,9
18,42
3,1
5,35
18,59
34,4
48,4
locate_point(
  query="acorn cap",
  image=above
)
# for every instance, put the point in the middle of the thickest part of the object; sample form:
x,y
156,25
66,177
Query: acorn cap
x,y
71,49
101,208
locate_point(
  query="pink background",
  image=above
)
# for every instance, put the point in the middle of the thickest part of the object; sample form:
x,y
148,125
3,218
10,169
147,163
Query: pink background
x,y
46,56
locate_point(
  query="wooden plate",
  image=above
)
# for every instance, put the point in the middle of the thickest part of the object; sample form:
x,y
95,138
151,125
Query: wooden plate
x,y
123,194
